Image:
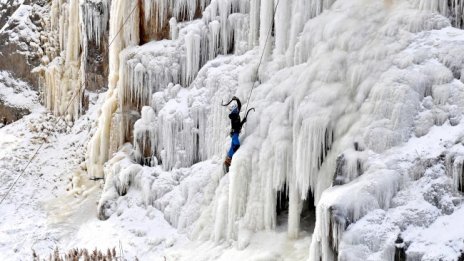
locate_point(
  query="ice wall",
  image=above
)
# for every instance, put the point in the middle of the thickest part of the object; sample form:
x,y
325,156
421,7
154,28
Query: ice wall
x,y
408,98
303,131
184,134
340,82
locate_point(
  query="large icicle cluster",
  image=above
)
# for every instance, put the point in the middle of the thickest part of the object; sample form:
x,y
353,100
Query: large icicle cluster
x,y
451,8
73,26
95,16
62,78
162,10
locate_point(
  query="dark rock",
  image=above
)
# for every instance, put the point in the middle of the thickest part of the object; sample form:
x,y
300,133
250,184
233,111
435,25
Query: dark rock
x,y
97,56
158,30
461,257
338,218
400,249
19,64
339,177
10,114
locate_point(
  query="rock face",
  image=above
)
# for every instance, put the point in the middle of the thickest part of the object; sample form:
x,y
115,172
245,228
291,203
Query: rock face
x,y
16,98
10,114
400,249
7,9
20,53
20,50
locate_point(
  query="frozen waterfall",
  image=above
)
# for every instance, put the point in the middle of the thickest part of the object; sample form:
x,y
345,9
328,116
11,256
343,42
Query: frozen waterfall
x,y
341,86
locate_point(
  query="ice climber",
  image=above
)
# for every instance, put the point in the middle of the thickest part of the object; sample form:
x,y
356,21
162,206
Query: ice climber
x,y
236,126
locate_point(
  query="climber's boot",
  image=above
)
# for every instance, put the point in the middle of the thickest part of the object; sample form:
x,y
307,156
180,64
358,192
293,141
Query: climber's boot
x,y
227,163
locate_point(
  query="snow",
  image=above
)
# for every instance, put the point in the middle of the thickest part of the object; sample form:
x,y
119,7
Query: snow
x,y
16,93
424,193
53,204
23,217
431,243
21,15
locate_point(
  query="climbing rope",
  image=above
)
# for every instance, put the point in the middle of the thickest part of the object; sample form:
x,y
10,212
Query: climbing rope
x,y
67,107
262,54
127,19
114,38
14,183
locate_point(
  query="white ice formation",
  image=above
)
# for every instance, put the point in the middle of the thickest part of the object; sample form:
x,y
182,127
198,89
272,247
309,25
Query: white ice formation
x,y
341,86
71,27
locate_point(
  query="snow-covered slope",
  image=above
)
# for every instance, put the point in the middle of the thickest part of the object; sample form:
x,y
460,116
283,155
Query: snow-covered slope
x,y
355,150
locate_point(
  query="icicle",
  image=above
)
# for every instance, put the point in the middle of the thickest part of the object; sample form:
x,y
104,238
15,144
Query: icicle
x,y
145,137
253,35
174,31
265,27
239,24
294,211
434,5
302,11
458,173
192,42
312,140
214,33
95,16
224,11
282,23
160,10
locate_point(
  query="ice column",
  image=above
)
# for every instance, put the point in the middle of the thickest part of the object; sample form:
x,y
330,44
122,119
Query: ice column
x,y
192,42
439,6
145,137
265,28
253,35
174,31
62,92
458,173
214,33
282,23
120,37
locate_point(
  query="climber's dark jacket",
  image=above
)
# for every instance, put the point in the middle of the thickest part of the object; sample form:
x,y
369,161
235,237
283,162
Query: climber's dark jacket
x,y
235,122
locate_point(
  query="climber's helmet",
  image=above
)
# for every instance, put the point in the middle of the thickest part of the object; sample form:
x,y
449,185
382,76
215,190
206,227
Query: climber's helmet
x,y
233,108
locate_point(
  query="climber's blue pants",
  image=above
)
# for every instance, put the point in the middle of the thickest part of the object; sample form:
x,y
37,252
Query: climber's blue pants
x,y
235,144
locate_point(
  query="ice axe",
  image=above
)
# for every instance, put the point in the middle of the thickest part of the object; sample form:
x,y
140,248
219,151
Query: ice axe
x,y
246,115
239,104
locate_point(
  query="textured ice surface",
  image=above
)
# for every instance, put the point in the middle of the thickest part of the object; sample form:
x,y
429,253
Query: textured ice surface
x,y
322,93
